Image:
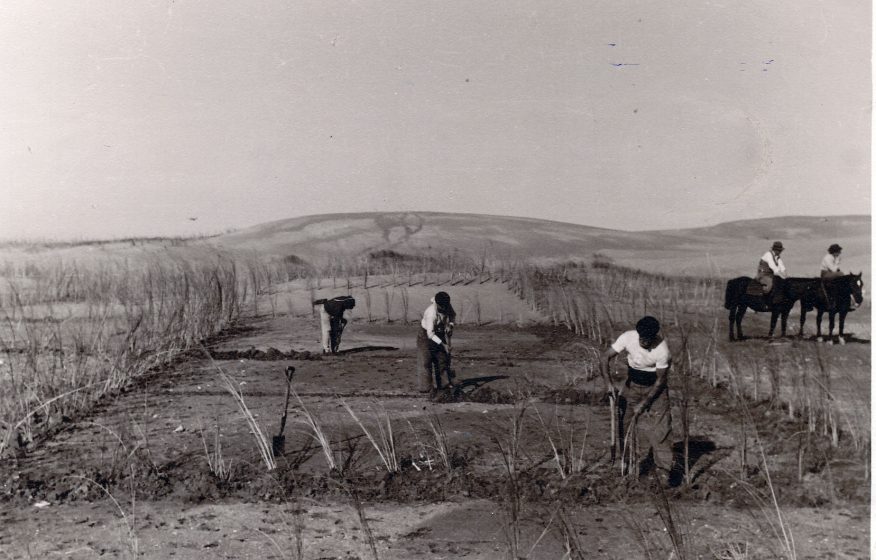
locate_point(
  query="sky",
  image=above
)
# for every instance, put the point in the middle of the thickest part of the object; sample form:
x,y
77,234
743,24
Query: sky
x,y
183,117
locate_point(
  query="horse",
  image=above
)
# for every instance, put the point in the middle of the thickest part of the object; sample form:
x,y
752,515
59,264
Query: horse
x,y
784,295
833,297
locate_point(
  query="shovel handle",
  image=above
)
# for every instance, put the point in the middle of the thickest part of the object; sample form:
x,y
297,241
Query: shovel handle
x,y
290,371
612,405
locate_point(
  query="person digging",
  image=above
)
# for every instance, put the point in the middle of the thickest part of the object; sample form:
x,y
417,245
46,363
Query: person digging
x,y
433,344
643,408
332,322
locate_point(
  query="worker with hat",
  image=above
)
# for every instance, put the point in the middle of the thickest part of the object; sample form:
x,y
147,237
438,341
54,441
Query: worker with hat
x,y
433,344
771,270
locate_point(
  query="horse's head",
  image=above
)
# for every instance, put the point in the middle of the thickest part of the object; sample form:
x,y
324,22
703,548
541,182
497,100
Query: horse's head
x,y
856,285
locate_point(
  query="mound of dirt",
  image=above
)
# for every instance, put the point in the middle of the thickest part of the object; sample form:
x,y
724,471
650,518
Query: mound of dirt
x,y
271,354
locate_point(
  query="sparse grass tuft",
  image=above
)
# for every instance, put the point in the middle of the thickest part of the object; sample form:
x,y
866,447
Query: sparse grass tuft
x,y
318,434
385,443
440,438
263,444
215,460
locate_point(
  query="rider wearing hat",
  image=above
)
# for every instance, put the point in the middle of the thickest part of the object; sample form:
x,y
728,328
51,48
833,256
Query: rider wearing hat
x,y
830,268
830,264
771,267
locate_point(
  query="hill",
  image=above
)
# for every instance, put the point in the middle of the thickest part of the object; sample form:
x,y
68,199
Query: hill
x,y
726,249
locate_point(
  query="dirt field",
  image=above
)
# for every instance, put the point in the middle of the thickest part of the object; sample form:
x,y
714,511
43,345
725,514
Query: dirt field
x,y
133,479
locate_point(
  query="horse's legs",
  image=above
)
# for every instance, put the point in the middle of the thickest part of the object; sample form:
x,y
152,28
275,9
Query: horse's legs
x,y
842,325
802,319
818,315
831,316
740,313
774,316
785,314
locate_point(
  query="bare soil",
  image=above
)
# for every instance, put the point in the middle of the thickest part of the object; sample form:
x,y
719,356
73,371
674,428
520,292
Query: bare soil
x,y
132,478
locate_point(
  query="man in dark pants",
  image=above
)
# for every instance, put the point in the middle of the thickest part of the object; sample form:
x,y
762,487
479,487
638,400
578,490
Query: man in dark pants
x,y
433,344
644,398
770,274
332,322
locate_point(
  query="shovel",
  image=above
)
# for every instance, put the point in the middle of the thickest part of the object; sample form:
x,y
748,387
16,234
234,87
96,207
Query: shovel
x,y
278,442
612,406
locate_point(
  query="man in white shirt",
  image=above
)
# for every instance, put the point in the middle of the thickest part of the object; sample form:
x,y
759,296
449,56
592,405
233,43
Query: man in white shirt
x,y
433,344
645,393
771,267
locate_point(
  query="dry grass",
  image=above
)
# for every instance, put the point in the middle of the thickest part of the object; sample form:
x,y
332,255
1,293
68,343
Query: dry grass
x,y
567,443
71,333
221,469
598,303
441,446
319,435
385,442
263,444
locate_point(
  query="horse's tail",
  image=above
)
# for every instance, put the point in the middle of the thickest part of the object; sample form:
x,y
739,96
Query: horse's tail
x,y
734,290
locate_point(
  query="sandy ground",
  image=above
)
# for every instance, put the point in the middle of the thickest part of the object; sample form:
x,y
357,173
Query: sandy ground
x,y
132,478
453,529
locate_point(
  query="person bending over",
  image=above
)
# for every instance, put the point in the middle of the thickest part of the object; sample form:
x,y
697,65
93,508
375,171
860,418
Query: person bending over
x,y
332,322
643,400
433,344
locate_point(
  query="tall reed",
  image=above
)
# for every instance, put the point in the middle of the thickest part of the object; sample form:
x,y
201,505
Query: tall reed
x,y
71,333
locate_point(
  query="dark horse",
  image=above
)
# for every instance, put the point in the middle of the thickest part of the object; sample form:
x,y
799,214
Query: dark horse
x,y
834,298
780,301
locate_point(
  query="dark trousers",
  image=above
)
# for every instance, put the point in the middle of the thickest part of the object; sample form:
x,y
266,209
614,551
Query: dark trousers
x,y
653,430
336,328
432,363
331,327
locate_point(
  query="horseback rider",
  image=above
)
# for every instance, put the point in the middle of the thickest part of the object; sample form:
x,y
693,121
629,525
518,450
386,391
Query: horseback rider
x,y
830,264
433,343
771,270
830,268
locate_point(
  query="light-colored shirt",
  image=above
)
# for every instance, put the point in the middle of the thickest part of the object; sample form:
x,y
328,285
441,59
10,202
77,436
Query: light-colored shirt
x,y
642,358
431,317
775,263
830,263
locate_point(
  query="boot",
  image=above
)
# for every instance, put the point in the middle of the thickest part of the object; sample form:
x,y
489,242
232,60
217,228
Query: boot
x,y
767,302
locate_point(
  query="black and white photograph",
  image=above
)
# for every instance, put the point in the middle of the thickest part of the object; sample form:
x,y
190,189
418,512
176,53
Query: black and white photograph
x,y
390,280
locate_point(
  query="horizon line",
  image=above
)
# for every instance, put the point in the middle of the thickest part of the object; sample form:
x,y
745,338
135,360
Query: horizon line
x,y
73,241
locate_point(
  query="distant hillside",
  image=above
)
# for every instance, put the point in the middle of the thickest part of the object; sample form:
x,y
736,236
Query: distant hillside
x,y
725,249
734,247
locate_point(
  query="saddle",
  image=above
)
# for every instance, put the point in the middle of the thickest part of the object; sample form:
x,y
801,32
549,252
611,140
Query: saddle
x,y
768,297
755,289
